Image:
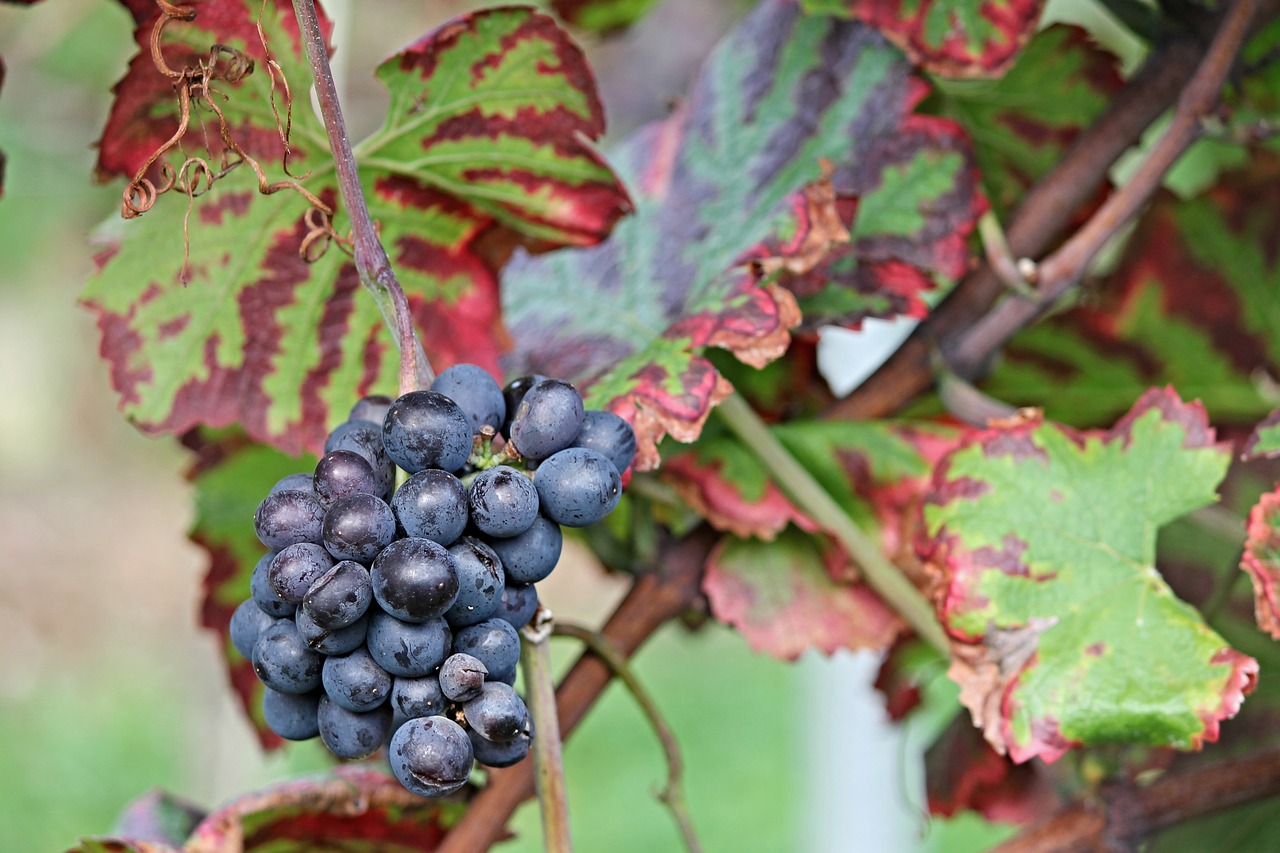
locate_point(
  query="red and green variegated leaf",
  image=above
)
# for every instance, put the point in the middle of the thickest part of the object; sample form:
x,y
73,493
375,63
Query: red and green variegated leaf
x,y
351,809
721,178
1195,303
1023,123
1261,560
159,817
786,596
601,16
496,109
963,772
952,38
1264,441
231,476
259,338
1045,539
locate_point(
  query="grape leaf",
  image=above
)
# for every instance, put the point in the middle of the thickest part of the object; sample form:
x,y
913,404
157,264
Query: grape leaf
x,y
158,816
1261,560
350,809
601,16
231,476
1193,304
1023,123
786,597
494,149
1264,441
1045,540
963,772
953,38
715,185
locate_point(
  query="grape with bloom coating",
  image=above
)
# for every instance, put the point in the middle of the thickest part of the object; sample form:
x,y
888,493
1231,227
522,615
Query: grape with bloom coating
x,y
431,756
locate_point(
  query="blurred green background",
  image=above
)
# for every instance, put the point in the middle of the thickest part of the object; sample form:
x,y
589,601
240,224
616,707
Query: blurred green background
x,y
107,686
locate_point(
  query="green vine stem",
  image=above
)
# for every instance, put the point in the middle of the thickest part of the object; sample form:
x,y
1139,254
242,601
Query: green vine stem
x,y
372,263
548,761
671,794
810,496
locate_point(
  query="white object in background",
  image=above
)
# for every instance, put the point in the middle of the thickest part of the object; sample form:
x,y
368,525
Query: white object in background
x,y
846,358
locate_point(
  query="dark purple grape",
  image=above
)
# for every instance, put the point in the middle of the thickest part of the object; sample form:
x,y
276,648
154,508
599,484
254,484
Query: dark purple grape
x,y
530,556
343,472
283,662
371,408
519,603
350,734
503,502
339,642
414,579
293,483
492,754
461,677
247,624
514,393
340,596
480,582
355,681
408,649
577,487
476,393
263,594
366,439
498,713
357,527
432,504
296,568
291,715
342,430
424,429
608,435
288,517
547,420
431,756
416,697
495,642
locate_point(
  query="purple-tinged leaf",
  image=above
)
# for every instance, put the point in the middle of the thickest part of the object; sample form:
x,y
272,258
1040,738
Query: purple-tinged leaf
x,y
1261,561
1264,441
963,772
1045,541
159,817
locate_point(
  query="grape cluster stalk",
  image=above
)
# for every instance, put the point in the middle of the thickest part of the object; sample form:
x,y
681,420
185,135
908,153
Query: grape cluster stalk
x,y
386,611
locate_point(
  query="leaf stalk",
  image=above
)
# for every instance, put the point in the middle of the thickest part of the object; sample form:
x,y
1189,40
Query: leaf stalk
x,y
548,760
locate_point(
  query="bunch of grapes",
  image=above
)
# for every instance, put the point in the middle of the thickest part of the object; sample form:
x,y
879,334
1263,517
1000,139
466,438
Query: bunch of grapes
x,y
390,614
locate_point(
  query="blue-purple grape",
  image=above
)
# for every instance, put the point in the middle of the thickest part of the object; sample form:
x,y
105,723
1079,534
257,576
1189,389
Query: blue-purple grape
x,y
355,681
480,582
408,649
416,697
414,579
294,483
424,429
365,439
519,603
475,392
293,716
492,754
498,714
502,501
495,642
608,435
340,596
513,393
461,677
343,472
357,527
351,734
247,624
577,487
371,408
263,594
547,420
432,504
283,661
288,517
296,568
431,756
530,556
339,641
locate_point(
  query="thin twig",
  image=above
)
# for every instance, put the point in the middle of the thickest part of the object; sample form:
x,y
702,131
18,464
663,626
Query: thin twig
x,y
548,758
794,479
672,794
372,263
1000,258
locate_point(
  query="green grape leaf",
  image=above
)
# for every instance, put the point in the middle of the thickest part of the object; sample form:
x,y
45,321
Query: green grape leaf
x,y
720,188
601,16
493,150
1261,560
350,809
952,38
1264,441
1194,303
1063,632
231,476
786,597
1023,123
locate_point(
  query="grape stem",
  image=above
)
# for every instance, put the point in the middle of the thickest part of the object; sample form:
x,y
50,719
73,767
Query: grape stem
x,y
372,263
794,479
548,761
672,793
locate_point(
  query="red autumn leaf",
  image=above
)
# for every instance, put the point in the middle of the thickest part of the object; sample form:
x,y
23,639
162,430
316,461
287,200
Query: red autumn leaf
x,y
1261,561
